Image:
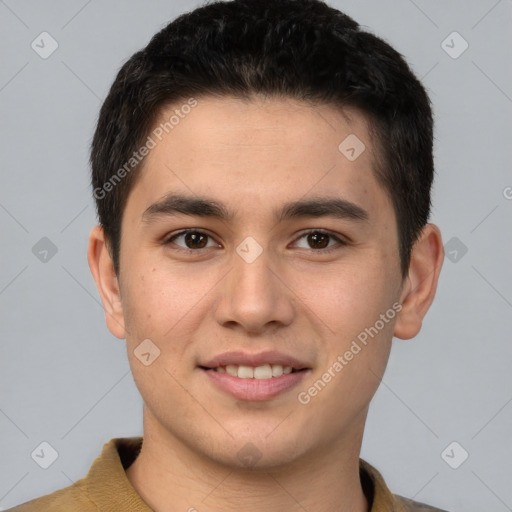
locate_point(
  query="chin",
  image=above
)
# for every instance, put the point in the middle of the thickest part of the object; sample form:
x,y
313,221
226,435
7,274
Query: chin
x,y
257,453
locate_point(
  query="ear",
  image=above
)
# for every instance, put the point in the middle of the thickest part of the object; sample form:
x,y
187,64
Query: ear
x,y
102,269
420,285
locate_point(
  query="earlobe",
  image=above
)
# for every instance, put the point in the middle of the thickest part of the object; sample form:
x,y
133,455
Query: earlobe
x,y
102,269
421,283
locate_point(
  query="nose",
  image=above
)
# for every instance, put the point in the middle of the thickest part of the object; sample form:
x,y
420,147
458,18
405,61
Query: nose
x,y
254,297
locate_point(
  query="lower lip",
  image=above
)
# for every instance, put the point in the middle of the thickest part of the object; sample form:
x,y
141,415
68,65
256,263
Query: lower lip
x,y
254,389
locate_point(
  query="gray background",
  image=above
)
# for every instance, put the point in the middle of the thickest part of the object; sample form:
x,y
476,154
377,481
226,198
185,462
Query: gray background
x,y
65,380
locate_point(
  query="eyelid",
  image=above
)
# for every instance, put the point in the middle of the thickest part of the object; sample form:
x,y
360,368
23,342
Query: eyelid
x,y
167,239
337,236
340,239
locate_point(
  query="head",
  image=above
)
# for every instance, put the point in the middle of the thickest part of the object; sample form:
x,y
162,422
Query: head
x,y
296,149
303,50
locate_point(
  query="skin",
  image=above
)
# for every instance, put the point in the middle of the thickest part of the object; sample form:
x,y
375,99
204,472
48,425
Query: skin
x,y
253,157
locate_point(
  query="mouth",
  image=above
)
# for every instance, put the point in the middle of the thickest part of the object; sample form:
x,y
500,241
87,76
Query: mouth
x,y
254,377
263,372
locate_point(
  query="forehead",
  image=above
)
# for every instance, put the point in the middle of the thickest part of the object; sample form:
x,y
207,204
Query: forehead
x,y
260,151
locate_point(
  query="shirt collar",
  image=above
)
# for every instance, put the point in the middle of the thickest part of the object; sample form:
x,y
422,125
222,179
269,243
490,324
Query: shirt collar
x,y
109,488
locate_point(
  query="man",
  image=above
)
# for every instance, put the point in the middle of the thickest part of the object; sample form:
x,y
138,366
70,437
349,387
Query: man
x,y
262,173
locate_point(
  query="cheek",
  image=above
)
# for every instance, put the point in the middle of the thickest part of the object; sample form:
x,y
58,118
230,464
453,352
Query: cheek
x,y
157,303
349,298
163,307
357,318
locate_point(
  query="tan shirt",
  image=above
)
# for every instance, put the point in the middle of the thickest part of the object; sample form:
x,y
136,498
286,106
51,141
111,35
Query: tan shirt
x,y
107,489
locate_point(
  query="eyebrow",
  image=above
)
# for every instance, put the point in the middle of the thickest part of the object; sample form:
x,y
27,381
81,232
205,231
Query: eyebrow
x,y
322,207
175,204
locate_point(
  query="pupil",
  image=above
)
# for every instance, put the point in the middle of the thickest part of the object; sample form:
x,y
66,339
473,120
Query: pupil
x,y
318,240
195,240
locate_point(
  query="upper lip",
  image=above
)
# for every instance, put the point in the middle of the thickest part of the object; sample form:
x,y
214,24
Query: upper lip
x,y
257,359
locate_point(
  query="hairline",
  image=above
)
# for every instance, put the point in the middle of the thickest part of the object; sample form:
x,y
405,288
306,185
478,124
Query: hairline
x,y
378,158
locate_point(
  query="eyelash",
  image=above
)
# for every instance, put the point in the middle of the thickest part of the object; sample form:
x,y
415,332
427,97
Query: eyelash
x,y
340,241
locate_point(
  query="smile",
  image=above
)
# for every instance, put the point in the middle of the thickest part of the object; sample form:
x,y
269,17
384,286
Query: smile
x,y
266,371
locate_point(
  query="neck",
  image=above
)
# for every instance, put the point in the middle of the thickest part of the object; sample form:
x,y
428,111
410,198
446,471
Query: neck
x,y
170,476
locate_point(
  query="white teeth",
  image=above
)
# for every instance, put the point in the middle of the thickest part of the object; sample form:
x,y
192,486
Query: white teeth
x,y
232,370
265,371
245,372
262,372
277,370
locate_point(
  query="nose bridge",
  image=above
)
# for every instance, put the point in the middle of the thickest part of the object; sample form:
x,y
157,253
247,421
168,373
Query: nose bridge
x,y
252,276
253,296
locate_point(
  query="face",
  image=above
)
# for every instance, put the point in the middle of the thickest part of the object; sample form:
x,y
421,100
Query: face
x,y
252,243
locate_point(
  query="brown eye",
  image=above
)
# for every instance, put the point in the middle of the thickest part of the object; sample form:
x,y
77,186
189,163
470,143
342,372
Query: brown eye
x,y
318,240
193,240
196,240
